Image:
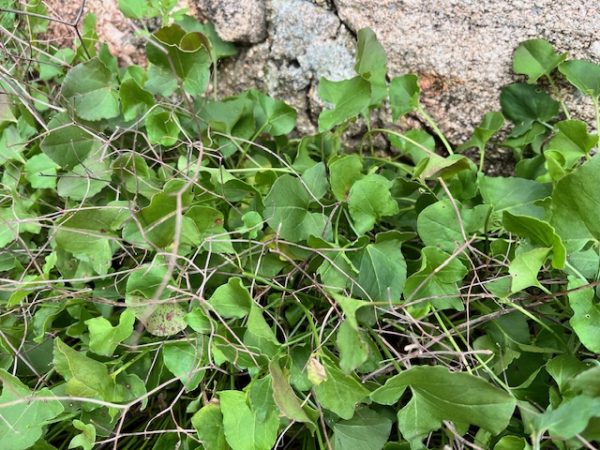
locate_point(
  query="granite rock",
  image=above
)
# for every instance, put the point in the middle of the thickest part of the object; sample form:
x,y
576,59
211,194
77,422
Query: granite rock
x,y
235,20
305,42
462,49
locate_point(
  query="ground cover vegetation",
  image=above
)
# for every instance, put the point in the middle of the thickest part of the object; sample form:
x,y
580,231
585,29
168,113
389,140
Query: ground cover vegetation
x,y
180,270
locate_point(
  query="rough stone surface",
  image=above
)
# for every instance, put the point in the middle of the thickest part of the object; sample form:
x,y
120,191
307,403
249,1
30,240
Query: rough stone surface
x,y
113,28
306,41
463,48
235,20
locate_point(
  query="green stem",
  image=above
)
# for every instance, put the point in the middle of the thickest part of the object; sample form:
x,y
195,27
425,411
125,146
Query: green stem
x,y
597,111
481,158
386,351
575,271
450,338
246,147
479,359
435,128
535,441
127,364
535,319
400,166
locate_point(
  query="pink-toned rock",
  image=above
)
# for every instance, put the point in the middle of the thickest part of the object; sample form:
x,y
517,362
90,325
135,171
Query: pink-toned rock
x,y
113,28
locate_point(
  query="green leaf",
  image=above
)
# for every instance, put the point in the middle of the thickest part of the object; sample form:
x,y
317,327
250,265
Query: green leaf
x,y
416,420
586,314
51,68
6,115
523,104
404,95
350,307
433,285
85,376
198,321
231,300
39,23
134,174
538,232
137,9
156,223
570,418
147,294
86,45
515,195
315,179
86,439
134,99
260,397
525,267
187,55
444,395
416,144
86,179
349,98
339,393
162,127
367,430
230,115
491,123
67,145
160,81
219,48
22,424
576,205
438,225
243,430
436,166
586,382
40,171
536,58
208,422
381,273
91,90
11,145
369,200
287,211
259,334
564,368
87,234
572,141
344,172
512,443
211,234
337,272
584,75
272,116
104,338
526,136
184,360
285,398
15,220
371,63
352,346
